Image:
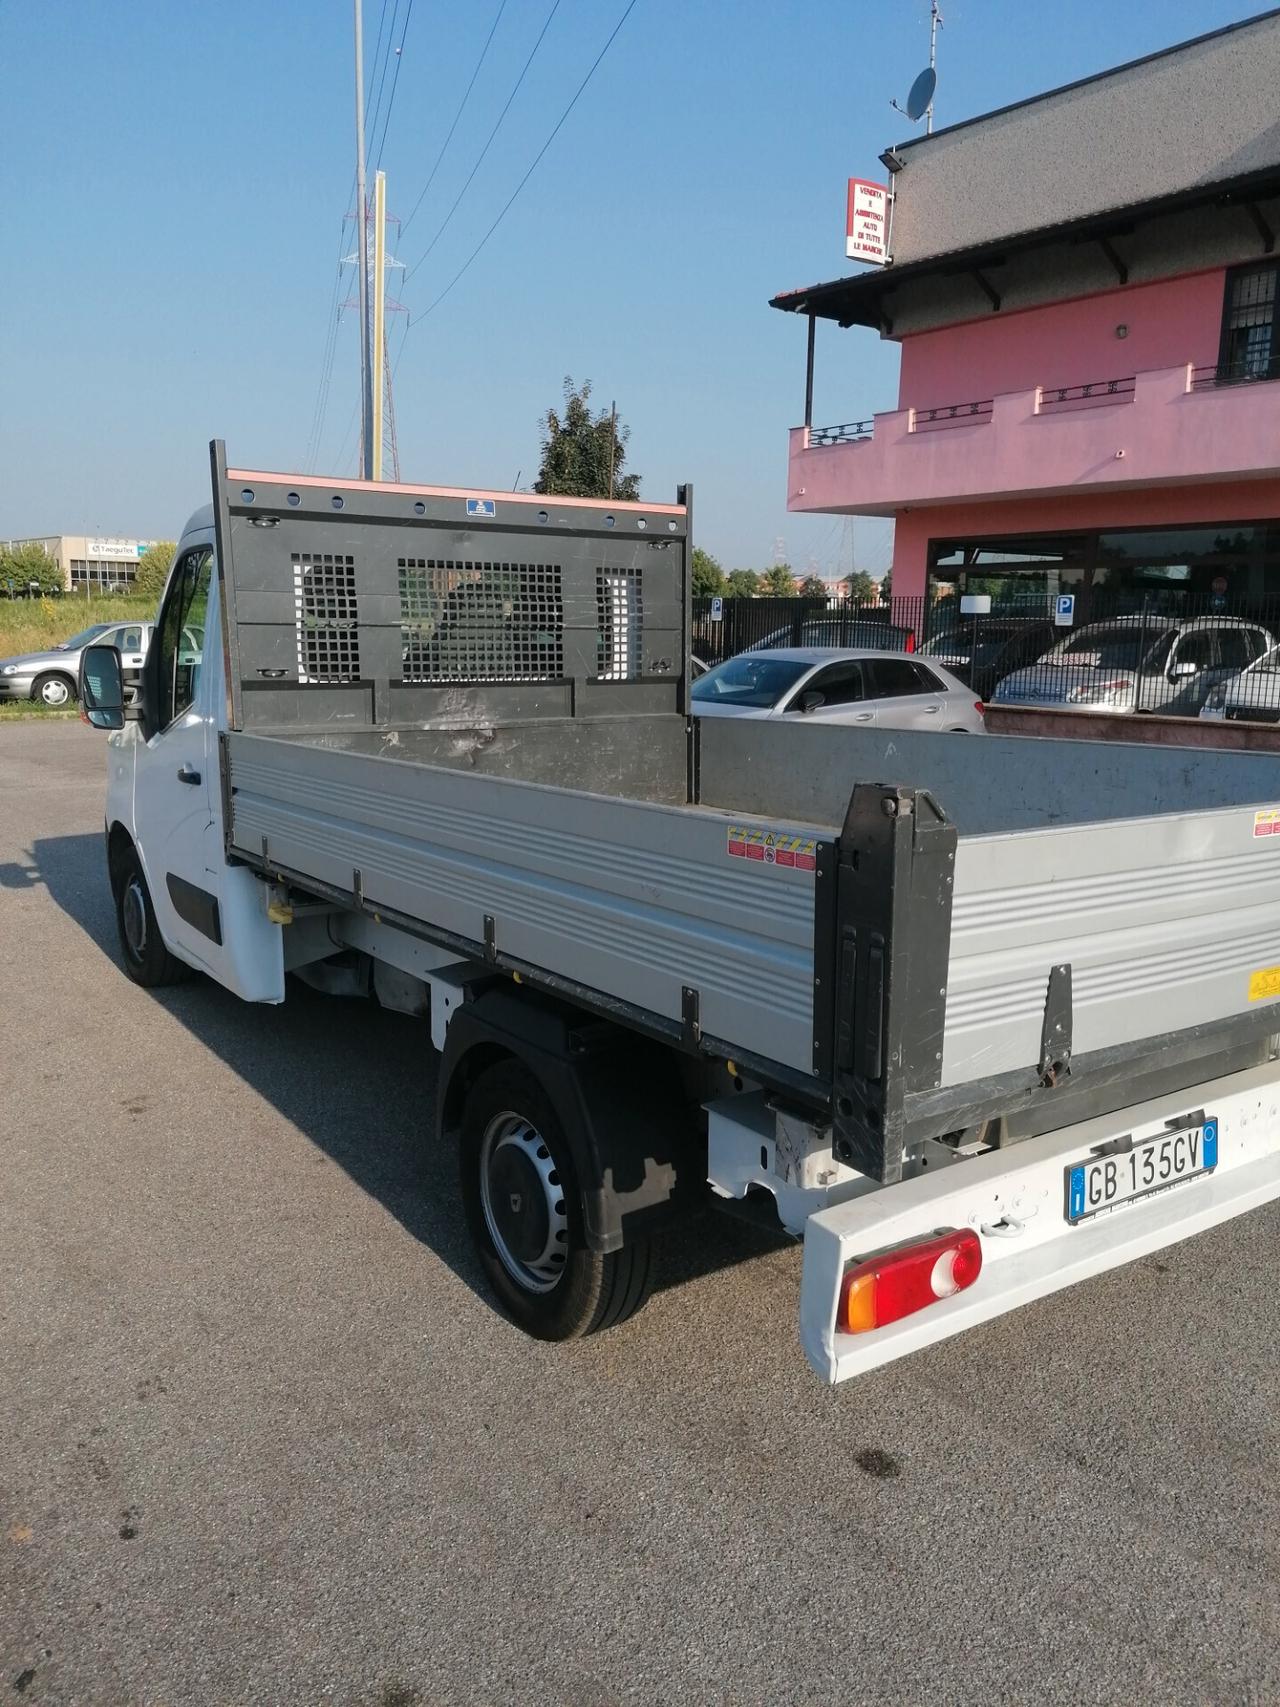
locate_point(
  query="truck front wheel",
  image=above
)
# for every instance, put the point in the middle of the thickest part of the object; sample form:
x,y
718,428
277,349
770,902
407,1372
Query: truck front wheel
x,y
524,1209
146,959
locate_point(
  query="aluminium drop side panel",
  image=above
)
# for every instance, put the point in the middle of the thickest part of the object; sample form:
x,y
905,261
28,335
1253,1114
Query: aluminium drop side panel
x,y
636,900
1163,921
985,784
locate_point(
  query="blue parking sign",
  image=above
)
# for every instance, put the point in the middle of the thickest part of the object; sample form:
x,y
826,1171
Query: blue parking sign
x,y
483,508
1064,610
717,610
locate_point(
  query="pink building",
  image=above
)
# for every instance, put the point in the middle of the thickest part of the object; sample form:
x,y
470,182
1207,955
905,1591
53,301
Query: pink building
x,y
1083,287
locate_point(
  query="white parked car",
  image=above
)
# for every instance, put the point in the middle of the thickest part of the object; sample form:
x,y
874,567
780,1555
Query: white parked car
x,y
1127,664
1251,697
50,676
831,685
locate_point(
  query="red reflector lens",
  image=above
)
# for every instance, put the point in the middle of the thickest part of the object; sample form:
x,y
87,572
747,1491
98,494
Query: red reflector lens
x,y
978,705
886,1288
911,640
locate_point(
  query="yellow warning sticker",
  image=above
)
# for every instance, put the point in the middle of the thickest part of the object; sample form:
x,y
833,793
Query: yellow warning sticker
x,y
1267,823
1264,984
773,847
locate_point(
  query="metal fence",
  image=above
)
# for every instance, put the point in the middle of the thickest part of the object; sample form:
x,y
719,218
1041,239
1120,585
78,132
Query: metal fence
x,y
745,624
1170,650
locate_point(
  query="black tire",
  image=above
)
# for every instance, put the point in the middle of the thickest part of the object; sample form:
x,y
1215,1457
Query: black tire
x,y
54,683
507,1111
146,959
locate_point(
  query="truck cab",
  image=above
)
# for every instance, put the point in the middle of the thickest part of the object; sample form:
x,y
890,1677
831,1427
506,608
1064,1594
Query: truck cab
x,y
164,816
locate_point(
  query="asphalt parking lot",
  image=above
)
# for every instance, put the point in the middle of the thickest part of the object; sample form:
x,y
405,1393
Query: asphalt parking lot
x,y
264,1440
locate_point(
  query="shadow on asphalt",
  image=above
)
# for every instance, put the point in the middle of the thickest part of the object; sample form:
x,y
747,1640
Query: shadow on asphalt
x,y
357,1081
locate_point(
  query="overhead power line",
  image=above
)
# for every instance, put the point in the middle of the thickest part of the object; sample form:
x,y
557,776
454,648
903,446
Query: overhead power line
x,y
395,79
371,124
431,307
326,359
466,94
488,144
373,63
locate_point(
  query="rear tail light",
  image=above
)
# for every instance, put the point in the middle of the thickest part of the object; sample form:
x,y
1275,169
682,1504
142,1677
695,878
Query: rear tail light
x,y
886,1288
978,706
911,640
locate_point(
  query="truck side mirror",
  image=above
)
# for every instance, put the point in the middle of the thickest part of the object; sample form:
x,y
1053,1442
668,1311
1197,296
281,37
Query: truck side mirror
x,y
1182,669
812,700
102,687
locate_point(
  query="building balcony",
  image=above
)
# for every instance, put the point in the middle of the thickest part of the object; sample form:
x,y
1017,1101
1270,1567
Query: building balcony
x,y
1164,427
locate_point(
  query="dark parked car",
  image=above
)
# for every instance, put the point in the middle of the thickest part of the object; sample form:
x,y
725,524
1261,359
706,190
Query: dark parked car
x,y
1004,644
857,628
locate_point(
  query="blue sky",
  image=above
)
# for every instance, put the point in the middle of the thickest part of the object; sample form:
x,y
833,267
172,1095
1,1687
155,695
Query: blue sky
x,y
173,178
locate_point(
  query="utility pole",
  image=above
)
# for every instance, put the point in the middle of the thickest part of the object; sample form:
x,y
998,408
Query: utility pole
x,y
366,365
613,444
379,317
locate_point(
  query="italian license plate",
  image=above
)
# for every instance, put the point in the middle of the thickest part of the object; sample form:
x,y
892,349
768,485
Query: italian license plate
x,y
1103,1183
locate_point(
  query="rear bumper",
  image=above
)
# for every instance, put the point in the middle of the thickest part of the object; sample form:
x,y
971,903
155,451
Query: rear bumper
x,y
1014,1200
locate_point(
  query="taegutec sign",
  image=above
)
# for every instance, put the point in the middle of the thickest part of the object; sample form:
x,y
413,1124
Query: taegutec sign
x,y
116,548
867,222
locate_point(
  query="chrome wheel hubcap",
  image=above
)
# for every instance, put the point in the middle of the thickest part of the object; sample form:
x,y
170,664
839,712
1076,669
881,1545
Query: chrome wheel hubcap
x,y
523,1201
133,912
55,693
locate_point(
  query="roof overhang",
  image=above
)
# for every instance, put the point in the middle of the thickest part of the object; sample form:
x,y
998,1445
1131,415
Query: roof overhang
x,y
860,300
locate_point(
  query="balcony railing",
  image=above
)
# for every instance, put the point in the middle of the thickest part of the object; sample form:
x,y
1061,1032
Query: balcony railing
x,y
847,434
1089,395
1234,373
1047,439
952,415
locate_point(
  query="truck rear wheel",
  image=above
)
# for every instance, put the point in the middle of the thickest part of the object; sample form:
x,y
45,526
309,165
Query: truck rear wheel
x,y
146,959
524,1208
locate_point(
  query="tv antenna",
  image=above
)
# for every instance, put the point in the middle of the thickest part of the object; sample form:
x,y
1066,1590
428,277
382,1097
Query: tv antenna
x,y
920,96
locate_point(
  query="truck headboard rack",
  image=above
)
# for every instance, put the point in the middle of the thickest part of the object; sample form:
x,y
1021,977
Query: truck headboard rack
x,y
446,606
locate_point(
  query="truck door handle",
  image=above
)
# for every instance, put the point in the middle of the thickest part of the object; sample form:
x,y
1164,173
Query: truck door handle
x,y
186,774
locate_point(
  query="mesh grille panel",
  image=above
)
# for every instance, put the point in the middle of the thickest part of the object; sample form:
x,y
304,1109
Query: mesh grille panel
x,y
620,617
463,621
325,616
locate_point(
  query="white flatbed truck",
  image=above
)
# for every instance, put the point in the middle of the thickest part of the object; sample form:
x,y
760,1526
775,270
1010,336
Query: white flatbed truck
x,y
975,1019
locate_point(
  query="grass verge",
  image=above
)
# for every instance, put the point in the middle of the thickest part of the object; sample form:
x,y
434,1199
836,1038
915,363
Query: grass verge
x,y
33,625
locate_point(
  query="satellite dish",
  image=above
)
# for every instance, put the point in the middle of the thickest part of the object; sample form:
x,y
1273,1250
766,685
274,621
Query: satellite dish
x,y
921,94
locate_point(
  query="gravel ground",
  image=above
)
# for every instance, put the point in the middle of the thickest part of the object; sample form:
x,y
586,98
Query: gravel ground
x,y
264,1440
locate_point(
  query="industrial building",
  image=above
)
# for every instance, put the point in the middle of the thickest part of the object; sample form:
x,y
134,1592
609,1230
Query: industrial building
x,y
89,565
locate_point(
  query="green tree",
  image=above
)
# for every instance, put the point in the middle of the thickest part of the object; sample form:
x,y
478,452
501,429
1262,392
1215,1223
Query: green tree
x,y
153,569
859,587
886,585
708,576
576,450
24,568
814,587
778,582
743,584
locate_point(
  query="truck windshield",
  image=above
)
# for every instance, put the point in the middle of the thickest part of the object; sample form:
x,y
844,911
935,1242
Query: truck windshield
x,y
754,679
